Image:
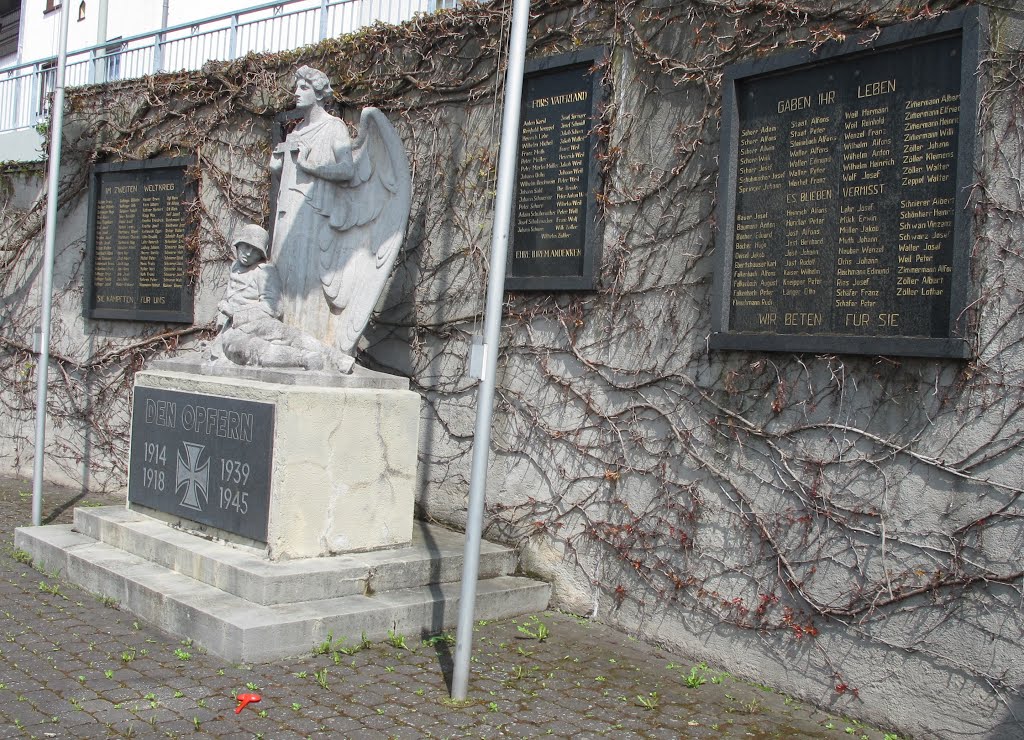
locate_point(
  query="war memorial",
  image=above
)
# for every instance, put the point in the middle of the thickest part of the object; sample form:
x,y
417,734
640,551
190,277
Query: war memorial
x,y
759,382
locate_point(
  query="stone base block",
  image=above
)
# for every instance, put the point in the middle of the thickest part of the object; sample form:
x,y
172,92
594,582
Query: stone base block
x,y
343,462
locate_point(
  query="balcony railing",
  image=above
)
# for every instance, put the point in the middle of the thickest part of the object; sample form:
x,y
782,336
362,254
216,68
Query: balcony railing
x,y
25,89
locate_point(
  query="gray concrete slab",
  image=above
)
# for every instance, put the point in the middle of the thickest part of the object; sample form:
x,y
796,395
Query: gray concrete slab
x,y
435,556
157,584
360,377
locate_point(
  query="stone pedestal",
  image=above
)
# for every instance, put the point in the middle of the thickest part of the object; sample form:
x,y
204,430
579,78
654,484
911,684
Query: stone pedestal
x,y
338,554
343,466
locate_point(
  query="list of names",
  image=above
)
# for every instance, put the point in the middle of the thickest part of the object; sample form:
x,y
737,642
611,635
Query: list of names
x,y
846,196
139,254
555,147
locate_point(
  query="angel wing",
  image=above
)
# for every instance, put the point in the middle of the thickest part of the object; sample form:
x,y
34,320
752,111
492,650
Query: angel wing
x,y
367,226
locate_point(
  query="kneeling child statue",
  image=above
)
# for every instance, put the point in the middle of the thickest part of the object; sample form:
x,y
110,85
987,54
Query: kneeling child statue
x,y
249,316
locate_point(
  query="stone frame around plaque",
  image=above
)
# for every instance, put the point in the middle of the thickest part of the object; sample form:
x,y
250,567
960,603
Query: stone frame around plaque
x,y
585,279
968,24
135,311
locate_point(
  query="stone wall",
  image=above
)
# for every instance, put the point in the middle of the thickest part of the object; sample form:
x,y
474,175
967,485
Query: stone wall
x,y
846,528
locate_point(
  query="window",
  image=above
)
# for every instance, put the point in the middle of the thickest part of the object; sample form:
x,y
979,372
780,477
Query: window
x,y
47,80
9,28
113,55
51,5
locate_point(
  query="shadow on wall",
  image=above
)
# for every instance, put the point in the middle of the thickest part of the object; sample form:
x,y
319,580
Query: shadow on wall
x,y
1010,723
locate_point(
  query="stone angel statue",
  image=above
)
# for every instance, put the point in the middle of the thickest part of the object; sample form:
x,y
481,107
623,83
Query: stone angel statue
x,y
342,210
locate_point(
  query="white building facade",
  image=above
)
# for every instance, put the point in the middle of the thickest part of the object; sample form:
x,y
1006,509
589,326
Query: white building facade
x,y
118,39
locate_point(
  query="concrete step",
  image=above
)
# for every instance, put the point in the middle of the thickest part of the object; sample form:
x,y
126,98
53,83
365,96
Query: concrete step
x,y
435,556
240,630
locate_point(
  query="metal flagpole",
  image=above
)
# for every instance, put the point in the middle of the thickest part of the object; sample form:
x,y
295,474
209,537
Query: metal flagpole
x,y
53,178
509,144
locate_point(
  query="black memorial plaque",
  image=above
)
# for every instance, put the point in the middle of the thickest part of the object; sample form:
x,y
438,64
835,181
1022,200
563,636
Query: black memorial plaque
x,y
138,260
553,245
204,458
843,195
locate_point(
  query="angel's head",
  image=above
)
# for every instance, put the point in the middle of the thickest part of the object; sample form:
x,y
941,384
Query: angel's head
x,y
312,87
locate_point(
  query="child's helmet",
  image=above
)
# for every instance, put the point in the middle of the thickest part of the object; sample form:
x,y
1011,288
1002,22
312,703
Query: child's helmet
x,y
253,235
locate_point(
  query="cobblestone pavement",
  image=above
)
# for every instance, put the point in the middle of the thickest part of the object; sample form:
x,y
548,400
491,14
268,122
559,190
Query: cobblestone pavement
x,y
72,665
